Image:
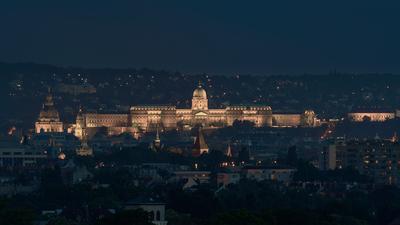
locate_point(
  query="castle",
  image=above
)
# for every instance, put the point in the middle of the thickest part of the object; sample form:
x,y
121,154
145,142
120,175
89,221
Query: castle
x,y
145,118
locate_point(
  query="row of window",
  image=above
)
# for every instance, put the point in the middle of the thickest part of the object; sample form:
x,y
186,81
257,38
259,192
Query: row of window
x,y
20,153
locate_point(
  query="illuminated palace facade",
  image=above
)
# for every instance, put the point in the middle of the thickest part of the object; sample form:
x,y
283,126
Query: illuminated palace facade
x,y
144,118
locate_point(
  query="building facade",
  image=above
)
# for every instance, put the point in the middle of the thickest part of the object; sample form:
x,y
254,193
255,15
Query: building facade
x,y
144,118
377,158
371,115
260,173
16,155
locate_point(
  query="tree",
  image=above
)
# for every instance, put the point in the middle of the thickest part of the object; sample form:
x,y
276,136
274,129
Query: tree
x,y
243,124
16,216
128,217
244,155
61,221
176,218
291,158
238,218
306,172
366,119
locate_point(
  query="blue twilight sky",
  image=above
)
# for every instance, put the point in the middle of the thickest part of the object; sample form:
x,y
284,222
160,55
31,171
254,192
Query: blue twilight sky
x,y
259,37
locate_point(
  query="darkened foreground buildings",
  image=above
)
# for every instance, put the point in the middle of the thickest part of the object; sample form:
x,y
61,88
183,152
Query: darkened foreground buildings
x,y
155,209
376,158
16,155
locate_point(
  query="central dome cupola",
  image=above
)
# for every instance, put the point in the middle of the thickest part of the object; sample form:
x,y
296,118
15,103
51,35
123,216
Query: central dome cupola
x,y
49,112
199,92
199,100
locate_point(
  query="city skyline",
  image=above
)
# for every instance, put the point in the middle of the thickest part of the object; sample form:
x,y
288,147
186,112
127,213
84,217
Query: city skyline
x,y
154,112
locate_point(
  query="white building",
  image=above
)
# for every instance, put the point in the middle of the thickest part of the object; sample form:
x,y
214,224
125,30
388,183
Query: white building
x,y
156,209
259,173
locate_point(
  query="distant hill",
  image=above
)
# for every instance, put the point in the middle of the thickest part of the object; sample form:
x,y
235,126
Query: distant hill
x,y
23,87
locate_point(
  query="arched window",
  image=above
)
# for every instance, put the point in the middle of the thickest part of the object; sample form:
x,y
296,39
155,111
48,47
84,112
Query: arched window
x,y
152,216
158,215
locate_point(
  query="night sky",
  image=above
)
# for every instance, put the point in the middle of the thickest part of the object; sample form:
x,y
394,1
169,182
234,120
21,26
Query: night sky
x,y
224,37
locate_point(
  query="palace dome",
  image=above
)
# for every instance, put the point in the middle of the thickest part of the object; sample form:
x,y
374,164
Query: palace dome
x,y
199,92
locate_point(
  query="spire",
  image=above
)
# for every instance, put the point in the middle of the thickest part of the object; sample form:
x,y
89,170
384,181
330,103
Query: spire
x,y
156,145
229,151
157,135
395,138
200,145
79,117
79,114
49,98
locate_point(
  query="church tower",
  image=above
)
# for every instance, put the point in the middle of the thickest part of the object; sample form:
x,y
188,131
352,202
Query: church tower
x,y
80,128
49,119
199,100
200,146
156,145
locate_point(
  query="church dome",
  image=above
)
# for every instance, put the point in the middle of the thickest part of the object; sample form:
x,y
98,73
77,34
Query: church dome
x,y
199,92
49,112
